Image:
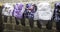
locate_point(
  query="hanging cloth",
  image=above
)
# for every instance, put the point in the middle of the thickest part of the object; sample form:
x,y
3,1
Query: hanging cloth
x,y
57,11
18,10
7,9
29,10
44,11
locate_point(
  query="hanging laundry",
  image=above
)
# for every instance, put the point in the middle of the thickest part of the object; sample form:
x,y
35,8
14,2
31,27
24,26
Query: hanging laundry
x,y
18,10
57,16
7,9
57,11
30,10
44,11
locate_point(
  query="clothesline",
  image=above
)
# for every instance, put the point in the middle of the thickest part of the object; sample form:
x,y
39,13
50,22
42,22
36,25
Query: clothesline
x,y
1,3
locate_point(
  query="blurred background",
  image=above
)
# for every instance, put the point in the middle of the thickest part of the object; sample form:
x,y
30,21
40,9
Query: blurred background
x,y
12,27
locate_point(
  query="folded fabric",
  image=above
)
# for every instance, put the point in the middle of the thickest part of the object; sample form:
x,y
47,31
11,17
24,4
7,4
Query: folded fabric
x,y
7,9
44,11
18,10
